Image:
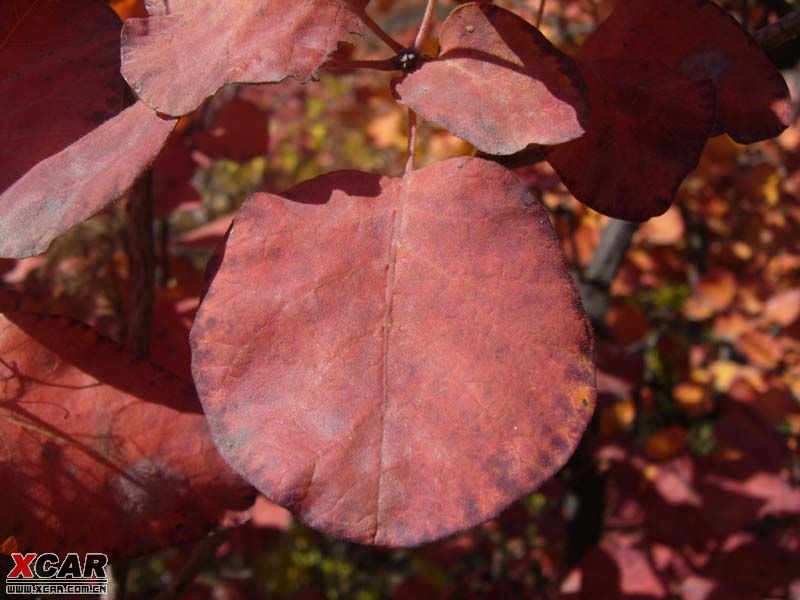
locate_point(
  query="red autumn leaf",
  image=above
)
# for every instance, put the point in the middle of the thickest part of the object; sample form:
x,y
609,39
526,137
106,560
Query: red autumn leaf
x,y
240,132
183,54
99,451
666,230
71,186
700,39
784,308
614,569
713,293
648,128
60,65
413,385
498,83
208,235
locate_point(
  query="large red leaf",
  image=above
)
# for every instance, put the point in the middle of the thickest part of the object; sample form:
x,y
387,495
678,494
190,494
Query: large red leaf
x,y
60,63
71,186
498,83
701,39
648,129
186,50
99,451
395,359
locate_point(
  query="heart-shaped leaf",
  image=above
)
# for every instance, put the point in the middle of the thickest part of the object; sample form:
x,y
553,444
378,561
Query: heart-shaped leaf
x,y
498,83
700,39
648,128
395,359
100,451
186,50
71,186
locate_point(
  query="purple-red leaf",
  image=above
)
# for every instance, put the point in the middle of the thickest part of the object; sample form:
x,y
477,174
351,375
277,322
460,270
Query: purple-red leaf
x,y
395,359
700,39
71,186
59,65
648,128
100,451
186,50
498,83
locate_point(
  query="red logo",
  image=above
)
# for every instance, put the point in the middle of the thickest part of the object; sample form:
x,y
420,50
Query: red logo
x,y
22,565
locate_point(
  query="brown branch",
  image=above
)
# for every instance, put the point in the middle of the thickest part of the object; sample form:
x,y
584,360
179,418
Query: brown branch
x,y
595,284
379,31
141,251
203,552
387,64
117,581
781,31
540,14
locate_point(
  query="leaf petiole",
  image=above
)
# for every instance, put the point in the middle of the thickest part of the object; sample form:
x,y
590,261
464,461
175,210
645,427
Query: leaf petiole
x,y
380,32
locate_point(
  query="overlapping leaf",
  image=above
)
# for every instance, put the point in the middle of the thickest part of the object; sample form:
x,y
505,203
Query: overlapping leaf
x,y
498,83
186,50
59,77
71,186
648,128
98,451
700,39
65,155
413,385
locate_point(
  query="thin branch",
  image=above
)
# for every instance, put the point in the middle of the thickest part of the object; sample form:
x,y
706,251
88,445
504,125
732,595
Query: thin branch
x,y
781,31
412,141
203,552
379,31
387,64
141,250
425,26
117,588
540,14
596,281
746,15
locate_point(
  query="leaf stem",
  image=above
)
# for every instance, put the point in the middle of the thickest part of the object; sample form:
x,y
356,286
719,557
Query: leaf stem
x,y
540,14
425,26
412,141
387,64
379,31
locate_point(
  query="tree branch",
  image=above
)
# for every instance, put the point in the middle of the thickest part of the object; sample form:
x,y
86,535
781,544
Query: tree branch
x,y
388,64
781,31
202,553
540,14
595,284
141,250
379,31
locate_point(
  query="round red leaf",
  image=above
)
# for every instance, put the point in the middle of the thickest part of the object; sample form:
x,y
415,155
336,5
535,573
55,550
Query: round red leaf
x,y
648,129
700,39
498,83
395,359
